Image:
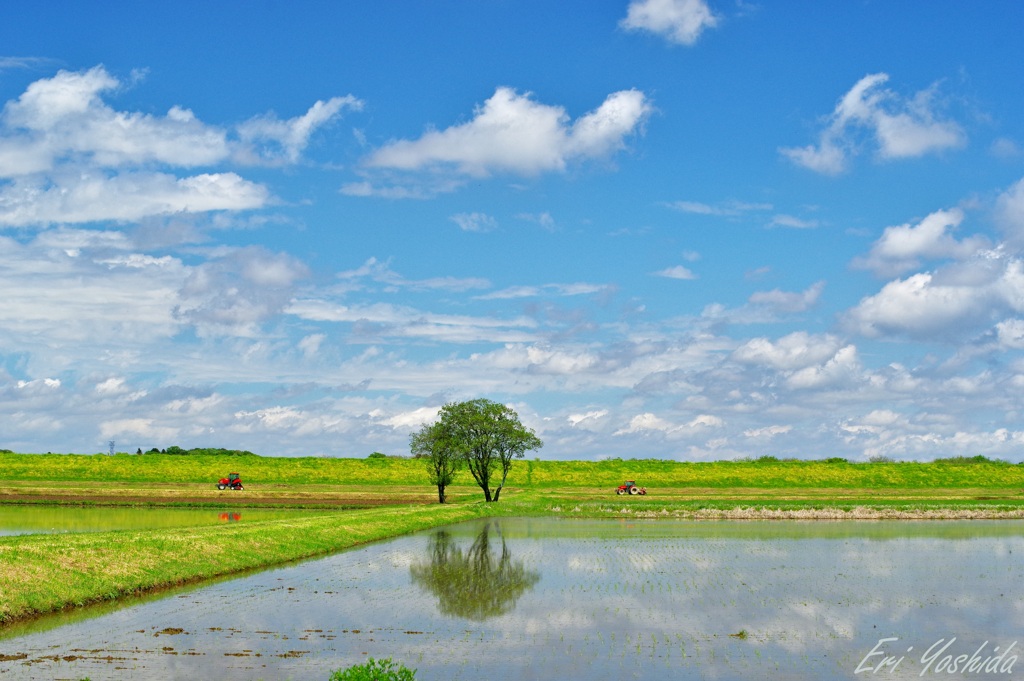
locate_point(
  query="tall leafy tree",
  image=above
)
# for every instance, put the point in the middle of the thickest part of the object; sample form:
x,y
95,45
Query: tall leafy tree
x,y
487,437
442,458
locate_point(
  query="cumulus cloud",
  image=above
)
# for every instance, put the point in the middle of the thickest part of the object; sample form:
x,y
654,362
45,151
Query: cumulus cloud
x,y
900,127
67,156
64,119
676,272
841,368
904,247
679,21
798,350
513,133
949,303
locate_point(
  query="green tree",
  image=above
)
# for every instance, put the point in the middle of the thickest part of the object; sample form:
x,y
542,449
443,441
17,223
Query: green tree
x,y
442,458
487,436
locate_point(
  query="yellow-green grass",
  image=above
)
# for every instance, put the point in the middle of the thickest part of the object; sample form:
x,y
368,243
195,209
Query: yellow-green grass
x,y
390,472
46,573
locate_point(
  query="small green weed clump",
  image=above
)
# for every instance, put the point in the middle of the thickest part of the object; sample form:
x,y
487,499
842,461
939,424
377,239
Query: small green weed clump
x,y
375,670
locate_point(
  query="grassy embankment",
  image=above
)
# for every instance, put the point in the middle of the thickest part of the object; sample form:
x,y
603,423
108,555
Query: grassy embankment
x,y
43,573
327,483
46,573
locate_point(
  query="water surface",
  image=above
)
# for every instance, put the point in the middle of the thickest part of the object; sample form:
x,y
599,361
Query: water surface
x,y
554,599
42,519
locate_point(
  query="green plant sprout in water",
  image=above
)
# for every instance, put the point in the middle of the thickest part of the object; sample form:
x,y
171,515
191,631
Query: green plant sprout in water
x,y
375,670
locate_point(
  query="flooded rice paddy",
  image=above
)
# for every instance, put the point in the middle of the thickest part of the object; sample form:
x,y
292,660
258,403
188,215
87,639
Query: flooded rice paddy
x,y
37,519
564,599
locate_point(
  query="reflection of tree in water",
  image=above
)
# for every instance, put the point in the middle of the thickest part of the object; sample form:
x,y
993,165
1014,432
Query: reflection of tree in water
x,y
476,584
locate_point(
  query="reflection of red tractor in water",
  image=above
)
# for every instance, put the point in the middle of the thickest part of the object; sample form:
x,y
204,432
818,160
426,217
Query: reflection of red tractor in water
x,y
629,487
233,481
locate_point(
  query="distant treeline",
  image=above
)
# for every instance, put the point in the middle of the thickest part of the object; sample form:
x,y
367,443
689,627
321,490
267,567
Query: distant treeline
x,y
952,460
199,451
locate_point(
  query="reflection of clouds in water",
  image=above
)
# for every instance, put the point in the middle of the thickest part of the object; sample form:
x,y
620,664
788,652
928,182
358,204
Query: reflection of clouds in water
x,y
606,603
585,563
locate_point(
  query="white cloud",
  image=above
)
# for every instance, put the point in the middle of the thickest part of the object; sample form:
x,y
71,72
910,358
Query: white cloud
x,y
1010,333
512,133
82,288
138,428
123,197
236,293
475,222
798,350
725,209
680,21
1010,213
901,128
904,247
310,345
575,289
650,423
676,272
839,369
586,419
382,320
266,138
1006,148
934,306
64,119
792,222
41,384
381,272
112,386
66,156
411,420
787,301
767,432
543,219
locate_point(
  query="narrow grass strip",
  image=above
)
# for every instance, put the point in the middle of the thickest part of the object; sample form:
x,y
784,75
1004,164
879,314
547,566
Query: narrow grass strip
x,y
46,573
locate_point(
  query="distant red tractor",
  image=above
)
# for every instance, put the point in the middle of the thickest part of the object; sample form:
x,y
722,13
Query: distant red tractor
x,y
233,481
629,487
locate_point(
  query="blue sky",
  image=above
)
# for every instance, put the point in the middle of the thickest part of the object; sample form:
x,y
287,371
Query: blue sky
x,y
659,228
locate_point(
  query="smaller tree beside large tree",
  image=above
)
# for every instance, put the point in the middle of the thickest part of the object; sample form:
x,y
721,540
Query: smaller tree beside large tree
x,y
443,460
486,437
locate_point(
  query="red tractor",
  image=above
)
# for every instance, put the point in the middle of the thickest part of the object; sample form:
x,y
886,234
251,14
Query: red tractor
x,y
233,481
629,487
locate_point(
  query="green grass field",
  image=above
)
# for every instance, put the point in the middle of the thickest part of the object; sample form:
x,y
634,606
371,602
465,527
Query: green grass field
x,y
376,472
386,497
